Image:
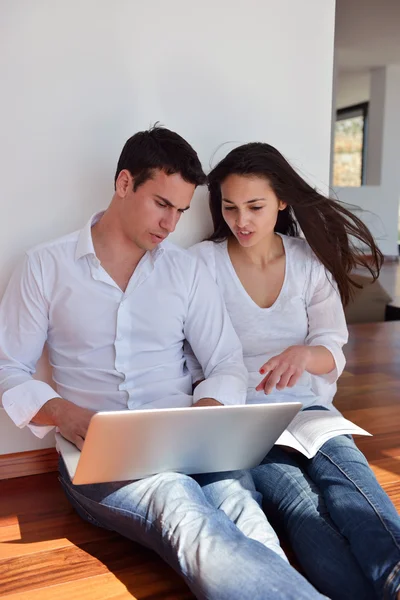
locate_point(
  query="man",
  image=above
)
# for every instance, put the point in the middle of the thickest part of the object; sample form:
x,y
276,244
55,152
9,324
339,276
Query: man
x,y
115,302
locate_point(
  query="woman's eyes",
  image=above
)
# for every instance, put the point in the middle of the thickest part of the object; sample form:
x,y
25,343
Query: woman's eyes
x,y
228,208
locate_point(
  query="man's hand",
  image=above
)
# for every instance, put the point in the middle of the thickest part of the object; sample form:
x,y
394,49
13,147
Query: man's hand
x,y
285,369
72,421
207,402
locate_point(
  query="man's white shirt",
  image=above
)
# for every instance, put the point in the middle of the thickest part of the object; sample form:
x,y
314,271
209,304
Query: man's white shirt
x,y
109,349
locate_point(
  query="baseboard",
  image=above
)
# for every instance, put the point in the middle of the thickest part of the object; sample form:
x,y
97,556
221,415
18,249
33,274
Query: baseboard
x,y
21,464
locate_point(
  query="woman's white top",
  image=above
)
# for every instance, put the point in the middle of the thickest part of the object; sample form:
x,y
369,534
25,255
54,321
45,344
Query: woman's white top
x,y
307,311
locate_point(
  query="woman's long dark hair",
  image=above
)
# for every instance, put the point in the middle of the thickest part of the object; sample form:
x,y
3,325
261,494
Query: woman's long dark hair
x,y
326,224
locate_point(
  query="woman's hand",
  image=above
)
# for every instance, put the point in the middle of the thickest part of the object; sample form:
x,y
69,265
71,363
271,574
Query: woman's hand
x,y
285,369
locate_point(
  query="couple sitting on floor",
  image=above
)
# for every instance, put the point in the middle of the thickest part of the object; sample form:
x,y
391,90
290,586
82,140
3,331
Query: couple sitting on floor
x,y
253,314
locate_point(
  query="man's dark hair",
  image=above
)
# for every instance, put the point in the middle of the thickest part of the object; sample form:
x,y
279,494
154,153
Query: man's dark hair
x,y
159,149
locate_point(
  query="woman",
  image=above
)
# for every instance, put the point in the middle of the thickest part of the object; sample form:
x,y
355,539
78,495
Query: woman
x,y
284,295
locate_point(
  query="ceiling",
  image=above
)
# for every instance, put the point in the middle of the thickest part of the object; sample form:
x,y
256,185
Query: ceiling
x,y
367,34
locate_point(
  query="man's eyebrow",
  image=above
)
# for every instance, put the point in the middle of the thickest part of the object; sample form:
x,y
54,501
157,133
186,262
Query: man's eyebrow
x,y
248,201
168,203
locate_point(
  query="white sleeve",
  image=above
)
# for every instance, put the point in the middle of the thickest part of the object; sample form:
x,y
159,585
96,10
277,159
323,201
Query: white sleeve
x,y
205,252
326,321
215,344
23,333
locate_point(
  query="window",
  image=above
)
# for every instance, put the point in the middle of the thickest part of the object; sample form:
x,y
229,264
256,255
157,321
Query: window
x,y
350,146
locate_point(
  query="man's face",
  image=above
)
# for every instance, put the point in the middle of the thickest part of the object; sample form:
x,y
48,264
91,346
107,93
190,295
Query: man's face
x,y
149,214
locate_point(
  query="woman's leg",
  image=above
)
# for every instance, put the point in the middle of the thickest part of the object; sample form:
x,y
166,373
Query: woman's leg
x,y
323,553
361,510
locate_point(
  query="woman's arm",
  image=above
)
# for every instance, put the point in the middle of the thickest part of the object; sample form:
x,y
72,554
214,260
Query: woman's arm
x,y
322,352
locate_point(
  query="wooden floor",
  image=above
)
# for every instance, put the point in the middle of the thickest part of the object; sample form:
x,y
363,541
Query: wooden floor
x,y
369,394
48,553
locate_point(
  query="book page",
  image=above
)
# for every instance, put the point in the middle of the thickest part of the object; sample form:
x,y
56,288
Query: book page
x,y
311,429
287,439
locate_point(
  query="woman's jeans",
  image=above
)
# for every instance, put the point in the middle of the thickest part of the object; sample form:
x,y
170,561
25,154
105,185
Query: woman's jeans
x,y
210,529
342,526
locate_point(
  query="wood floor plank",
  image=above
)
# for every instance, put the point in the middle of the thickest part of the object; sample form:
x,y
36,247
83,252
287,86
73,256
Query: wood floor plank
x,y
38,536
110,586
42,517
42,569
387,470
40,492
104,587
376,420
360,399
380,445
393,491
144,574
117,555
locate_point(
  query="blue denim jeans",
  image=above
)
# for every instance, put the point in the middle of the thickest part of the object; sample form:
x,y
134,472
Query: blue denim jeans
x,y
212,531
342,526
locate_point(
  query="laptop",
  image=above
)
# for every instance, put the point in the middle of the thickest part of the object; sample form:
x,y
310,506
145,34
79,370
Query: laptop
x,y
127,445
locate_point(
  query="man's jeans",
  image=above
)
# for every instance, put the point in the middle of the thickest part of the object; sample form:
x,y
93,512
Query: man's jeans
x,y
342,526
186,522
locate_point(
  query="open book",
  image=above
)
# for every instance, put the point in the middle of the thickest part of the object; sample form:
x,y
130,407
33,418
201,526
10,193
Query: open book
x,y
310,429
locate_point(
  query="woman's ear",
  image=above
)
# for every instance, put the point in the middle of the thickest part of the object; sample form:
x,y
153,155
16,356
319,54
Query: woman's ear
x,y
282,205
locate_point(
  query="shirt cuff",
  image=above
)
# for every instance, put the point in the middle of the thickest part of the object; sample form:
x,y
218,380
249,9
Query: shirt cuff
x,y
224,388
339,359
24,401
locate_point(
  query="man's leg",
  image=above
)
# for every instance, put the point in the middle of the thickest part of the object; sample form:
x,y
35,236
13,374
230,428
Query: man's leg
x,y
170,514
234,493
293,500
361,510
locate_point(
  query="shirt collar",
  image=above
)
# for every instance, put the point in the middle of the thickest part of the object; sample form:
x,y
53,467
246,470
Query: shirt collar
x,y
84,246
157,252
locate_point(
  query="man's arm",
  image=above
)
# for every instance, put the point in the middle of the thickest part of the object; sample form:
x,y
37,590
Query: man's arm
x,y
214,342
23,333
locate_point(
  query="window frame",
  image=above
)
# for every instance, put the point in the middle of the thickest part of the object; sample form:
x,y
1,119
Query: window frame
x,y
357,110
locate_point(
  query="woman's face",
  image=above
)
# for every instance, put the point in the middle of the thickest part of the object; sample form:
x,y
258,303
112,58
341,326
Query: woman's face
x,y
250,208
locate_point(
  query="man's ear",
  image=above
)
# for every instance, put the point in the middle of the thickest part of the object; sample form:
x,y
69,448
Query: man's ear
x,y
124,183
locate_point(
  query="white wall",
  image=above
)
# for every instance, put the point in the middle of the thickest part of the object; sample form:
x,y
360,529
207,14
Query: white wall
x,y
79,77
